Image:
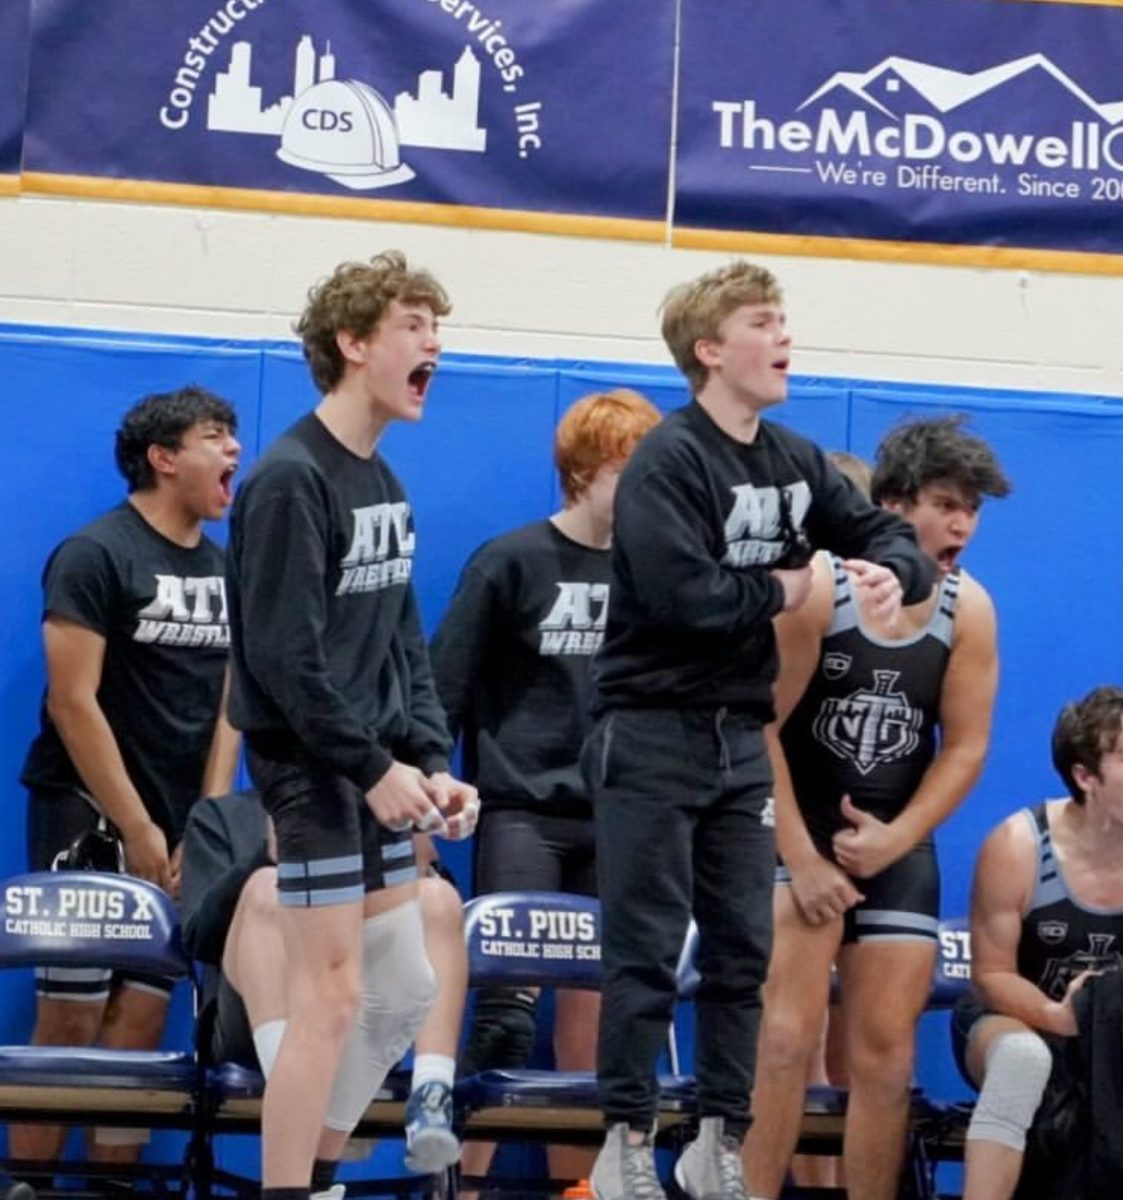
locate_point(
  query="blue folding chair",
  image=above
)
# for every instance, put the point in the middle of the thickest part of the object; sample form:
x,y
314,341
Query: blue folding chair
x,y
551,940
951,977
94,919
233,1096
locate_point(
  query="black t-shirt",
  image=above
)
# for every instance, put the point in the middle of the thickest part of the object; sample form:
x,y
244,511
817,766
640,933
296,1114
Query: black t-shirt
x,y
512,662
327,649
161,608
700,520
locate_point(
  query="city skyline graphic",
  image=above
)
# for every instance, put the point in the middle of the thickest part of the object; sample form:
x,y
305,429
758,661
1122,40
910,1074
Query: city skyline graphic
x,y
432,118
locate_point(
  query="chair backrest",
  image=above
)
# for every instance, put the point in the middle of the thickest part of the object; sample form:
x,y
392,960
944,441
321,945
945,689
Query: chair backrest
x,y
951,976
90,918
548,939
538,939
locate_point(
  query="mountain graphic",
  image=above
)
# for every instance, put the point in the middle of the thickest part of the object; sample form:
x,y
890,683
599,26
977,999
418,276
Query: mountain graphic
x,y
890,85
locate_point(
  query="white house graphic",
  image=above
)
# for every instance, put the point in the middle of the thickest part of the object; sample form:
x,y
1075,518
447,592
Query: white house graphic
x,y
946,89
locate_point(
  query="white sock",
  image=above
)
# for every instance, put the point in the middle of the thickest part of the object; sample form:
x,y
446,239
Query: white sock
x,y
267,1041
428,1068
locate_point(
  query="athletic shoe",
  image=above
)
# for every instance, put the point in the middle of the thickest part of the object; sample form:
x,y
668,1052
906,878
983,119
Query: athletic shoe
x,y
624,1171
710,1167
335,1192
431,1145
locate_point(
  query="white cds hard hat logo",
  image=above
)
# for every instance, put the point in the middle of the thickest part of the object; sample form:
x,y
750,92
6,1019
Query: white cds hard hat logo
x,y
345,130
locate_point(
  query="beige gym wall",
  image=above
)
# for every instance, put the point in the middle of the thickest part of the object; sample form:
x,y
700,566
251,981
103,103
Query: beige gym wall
x,y
136,267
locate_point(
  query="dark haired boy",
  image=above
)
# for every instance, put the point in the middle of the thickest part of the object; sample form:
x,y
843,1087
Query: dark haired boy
x,y
136,639
883,728
1047,918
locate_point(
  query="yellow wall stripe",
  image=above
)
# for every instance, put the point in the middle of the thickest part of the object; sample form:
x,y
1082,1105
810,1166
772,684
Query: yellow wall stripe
x,y
1008,257
97,187
1102,3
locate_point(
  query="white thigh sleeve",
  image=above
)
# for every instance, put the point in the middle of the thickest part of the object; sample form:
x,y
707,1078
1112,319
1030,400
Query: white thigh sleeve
x,y
398,989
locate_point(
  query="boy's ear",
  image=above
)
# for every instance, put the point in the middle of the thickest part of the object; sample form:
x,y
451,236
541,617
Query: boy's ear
x,y
707,351
161,459
352,347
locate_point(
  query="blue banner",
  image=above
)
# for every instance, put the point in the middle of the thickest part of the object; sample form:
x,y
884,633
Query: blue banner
x,y
541,111
14,21
932,124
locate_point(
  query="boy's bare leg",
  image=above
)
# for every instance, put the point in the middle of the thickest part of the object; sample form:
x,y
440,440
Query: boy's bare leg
x,y
795,1003
576,1019
323,956
885,986
134,1020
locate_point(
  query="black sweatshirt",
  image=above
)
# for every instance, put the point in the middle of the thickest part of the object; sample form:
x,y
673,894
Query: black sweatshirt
x,y
700,521
326,640
223,846
512,663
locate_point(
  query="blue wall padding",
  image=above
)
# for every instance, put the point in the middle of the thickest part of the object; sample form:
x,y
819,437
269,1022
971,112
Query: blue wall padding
x,y
481,463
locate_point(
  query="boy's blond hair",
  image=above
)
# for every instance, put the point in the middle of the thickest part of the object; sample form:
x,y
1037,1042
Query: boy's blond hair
x,y
695,310
856,469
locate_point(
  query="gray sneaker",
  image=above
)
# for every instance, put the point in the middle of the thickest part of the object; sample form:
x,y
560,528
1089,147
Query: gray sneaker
x,y
710,1167
626,1172
431,1144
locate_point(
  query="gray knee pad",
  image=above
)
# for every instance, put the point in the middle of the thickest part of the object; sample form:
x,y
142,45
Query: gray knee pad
x,y
1017,1069
398,990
